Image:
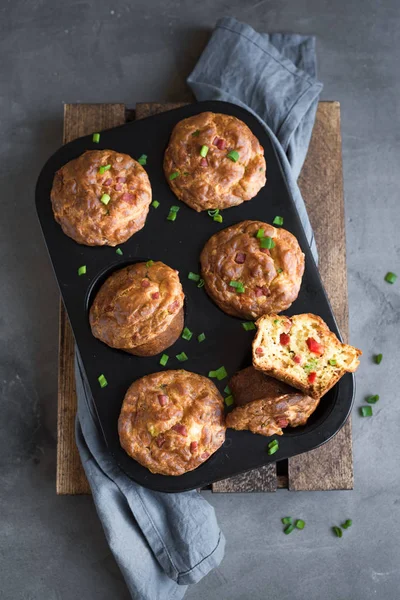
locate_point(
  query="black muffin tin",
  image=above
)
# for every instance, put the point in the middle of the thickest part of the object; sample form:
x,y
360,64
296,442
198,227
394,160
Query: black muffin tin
x,y
178,244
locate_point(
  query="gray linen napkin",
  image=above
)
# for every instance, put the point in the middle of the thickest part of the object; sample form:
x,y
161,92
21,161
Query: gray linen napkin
x,y
162,542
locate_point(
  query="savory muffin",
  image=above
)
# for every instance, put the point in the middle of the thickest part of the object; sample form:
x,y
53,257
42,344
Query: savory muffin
x,y
214,161
101,198
139,309
303,352
252,268
171,422
265,405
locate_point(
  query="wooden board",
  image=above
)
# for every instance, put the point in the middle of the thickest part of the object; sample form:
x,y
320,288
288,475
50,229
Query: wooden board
x,y
329,467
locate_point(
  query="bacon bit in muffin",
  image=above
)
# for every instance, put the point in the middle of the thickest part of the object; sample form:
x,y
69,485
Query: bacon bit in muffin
x,y
282,422
284,339
259,351
163,399
155,296
193,446
204,162
297,359
259,292
107,182
118,187
314,346
312,377
160,440
265,251
240,258
145,283
121,179
266,291
181,429
127,197
205,455
220,143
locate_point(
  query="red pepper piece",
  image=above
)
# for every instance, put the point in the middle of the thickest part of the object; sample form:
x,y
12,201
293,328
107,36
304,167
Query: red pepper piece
x,y
163,399
297,359
240,258
315,346
312,377
284,339
181,429
259,351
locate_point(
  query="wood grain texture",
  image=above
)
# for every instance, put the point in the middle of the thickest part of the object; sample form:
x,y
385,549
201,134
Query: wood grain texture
x,y
329,467
321,182
79,119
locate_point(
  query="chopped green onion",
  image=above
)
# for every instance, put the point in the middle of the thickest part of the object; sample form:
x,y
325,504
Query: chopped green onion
x,y
238,285
233,155
273,447
229,400
102,170
332,362
82,270
201,283
212,374
249,326
187,334
348,523
366,411
288,529
312,364
267,242
102,381
105,199
260,233
337,531
279,271
96,138
218,218
276,321
378,358
204,151
221,373
174,209
390,277
182,357
287,520
194,276
196,133
149,263
174,175
227,390
278,221
372,399
155,204
201,337
300,524
143,160
172,214
164,359
119,251
213,213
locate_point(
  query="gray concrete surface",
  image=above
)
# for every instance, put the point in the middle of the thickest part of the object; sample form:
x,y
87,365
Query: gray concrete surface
x,y
52,548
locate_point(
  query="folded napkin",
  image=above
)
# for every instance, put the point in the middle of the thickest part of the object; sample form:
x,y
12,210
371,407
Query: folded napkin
x,y
162,542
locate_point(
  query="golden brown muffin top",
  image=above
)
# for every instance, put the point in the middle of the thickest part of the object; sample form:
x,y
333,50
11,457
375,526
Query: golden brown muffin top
x,y
79,186
214,181
136,304
271,278
265,405
172,421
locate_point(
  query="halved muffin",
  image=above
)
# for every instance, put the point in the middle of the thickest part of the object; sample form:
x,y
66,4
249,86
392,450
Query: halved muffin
x,y
244,277
214,161
265,405
303,352
101,198
139,309
172,421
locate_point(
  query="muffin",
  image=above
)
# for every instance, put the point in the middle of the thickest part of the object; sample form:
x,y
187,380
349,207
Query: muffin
x,y
247,280
303,352
171,422
101,198
265,405
139,309
214,161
